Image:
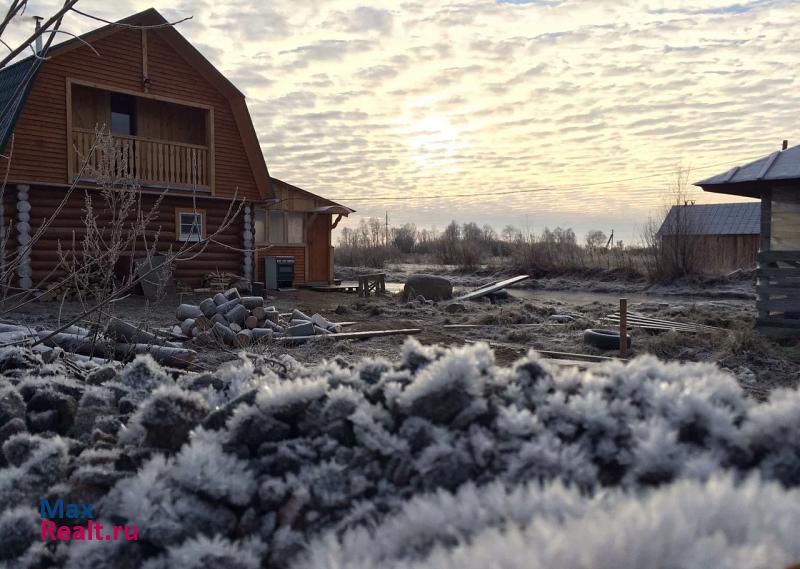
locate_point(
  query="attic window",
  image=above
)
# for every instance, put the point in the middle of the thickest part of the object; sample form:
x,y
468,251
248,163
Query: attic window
x,y
123,114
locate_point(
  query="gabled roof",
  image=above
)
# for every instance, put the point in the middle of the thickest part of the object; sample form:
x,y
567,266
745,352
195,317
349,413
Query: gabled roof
x,y
151,17
330,205
713,219
745,180
15,84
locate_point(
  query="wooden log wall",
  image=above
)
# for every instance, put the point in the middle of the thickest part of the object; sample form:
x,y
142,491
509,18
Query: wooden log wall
x,y
216,257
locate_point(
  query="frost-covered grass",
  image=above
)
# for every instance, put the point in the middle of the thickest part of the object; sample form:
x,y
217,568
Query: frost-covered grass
x,y
442,459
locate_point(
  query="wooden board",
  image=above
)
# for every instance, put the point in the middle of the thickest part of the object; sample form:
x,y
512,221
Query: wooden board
x,y
350,335
490,288
333,288
668,324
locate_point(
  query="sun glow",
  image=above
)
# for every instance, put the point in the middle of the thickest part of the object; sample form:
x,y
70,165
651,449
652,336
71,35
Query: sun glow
x,y
434,141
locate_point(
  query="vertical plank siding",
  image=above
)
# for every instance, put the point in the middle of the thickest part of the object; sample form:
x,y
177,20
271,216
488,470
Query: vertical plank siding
x,y
296,251
41,137
719,254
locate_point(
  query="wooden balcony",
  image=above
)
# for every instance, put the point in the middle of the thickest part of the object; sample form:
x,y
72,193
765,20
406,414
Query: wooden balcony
x,y
153,162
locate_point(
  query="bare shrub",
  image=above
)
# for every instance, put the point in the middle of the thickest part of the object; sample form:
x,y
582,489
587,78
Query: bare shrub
x,y
672,238
91,264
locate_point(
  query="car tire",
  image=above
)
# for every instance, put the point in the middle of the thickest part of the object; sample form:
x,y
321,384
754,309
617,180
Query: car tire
x,y
603,339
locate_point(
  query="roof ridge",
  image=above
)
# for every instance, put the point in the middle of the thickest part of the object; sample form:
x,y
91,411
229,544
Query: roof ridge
x,y
768,164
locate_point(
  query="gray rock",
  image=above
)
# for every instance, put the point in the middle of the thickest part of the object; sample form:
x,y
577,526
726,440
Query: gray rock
x,y
432,287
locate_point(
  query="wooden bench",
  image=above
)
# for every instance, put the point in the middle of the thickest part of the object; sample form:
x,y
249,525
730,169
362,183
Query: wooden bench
x,y
371,283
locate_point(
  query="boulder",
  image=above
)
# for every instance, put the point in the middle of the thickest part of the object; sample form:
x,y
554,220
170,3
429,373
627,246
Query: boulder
x,y
432,287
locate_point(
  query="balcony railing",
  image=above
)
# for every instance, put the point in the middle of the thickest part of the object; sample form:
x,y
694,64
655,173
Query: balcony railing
x,y
152,162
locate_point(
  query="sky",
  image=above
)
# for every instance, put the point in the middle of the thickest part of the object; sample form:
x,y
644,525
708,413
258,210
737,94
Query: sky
x,y
573,113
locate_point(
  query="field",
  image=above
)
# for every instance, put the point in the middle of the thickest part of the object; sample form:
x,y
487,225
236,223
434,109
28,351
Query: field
x,y
512,328
460,447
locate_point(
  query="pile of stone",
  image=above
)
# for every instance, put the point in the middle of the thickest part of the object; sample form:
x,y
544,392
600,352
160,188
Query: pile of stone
x,y
239,321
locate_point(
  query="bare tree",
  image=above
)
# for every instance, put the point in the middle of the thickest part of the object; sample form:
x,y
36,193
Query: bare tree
x,y
672,239
596,239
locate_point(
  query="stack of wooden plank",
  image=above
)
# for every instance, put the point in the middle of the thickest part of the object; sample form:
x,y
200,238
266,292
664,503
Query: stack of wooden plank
x,y
491,288
658,324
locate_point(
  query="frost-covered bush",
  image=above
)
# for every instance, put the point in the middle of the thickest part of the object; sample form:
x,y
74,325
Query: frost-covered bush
x,y
440,459
689,524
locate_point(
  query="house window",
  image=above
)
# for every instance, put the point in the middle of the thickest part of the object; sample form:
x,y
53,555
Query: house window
x,y
123,114
294,227
279,227
276,227
190,224
260,225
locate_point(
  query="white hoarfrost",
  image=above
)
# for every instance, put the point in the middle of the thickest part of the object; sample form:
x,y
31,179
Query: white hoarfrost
x,y
441,459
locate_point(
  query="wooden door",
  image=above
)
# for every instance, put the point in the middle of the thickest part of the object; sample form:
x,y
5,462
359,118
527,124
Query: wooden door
x,y
319,235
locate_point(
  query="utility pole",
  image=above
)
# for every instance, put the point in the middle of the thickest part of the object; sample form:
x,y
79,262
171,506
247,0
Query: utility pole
x,y
387,229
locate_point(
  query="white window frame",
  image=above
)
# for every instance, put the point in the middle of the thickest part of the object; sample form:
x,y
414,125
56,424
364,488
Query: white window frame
x,y
192,236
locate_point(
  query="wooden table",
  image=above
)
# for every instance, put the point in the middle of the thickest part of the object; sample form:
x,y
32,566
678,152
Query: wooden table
x,y
371,283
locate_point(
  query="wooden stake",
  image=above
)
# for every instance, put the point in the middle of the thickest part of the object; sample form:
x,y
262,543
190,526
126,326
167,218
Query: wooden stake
x,y
623,326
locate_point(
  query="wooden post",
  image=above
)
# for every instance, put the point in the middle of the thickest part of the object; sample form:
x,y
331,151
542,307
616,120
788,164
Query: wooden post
x,y
623,326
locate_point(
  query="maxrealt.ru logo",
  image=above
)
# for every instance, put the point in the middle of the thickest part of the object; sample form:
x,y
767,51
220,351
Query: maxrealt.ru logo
x,y
72,513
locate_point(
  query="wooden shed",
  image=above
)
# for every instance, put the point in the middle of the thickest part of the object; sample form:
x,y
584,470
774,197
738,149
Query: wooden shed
x,y
185,135
724,237
775,180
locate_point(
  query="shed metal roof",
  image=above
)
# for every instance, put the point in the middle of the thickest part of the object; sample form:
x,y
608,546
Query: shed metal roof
x,y
780,165
713,219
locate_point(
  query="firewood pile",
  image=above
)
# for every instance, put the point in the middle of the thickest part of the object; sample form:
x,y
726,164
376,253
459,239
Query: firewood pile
x,y
218,280
239,321
119,340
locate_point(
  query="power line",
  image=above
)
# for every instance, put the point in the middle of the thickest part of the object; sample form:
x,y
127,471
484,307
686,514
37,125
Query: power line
x,y
528,190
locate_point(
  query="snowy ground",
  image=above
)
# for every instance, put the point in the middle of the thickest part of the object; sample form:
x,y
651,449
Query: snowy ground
x,y
458,449
611,282
440,459
759,364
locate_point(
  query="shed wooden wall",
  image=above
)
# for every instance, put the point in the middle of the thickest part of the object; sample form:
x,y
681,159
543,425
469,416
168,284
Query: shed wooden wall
x,y
296,251
785,214
314,257
215,257
41,138
719,254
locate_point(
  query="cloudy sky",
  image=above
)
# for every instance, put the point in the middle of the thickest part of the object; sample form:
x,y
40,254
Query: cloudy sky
x,y
543,112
